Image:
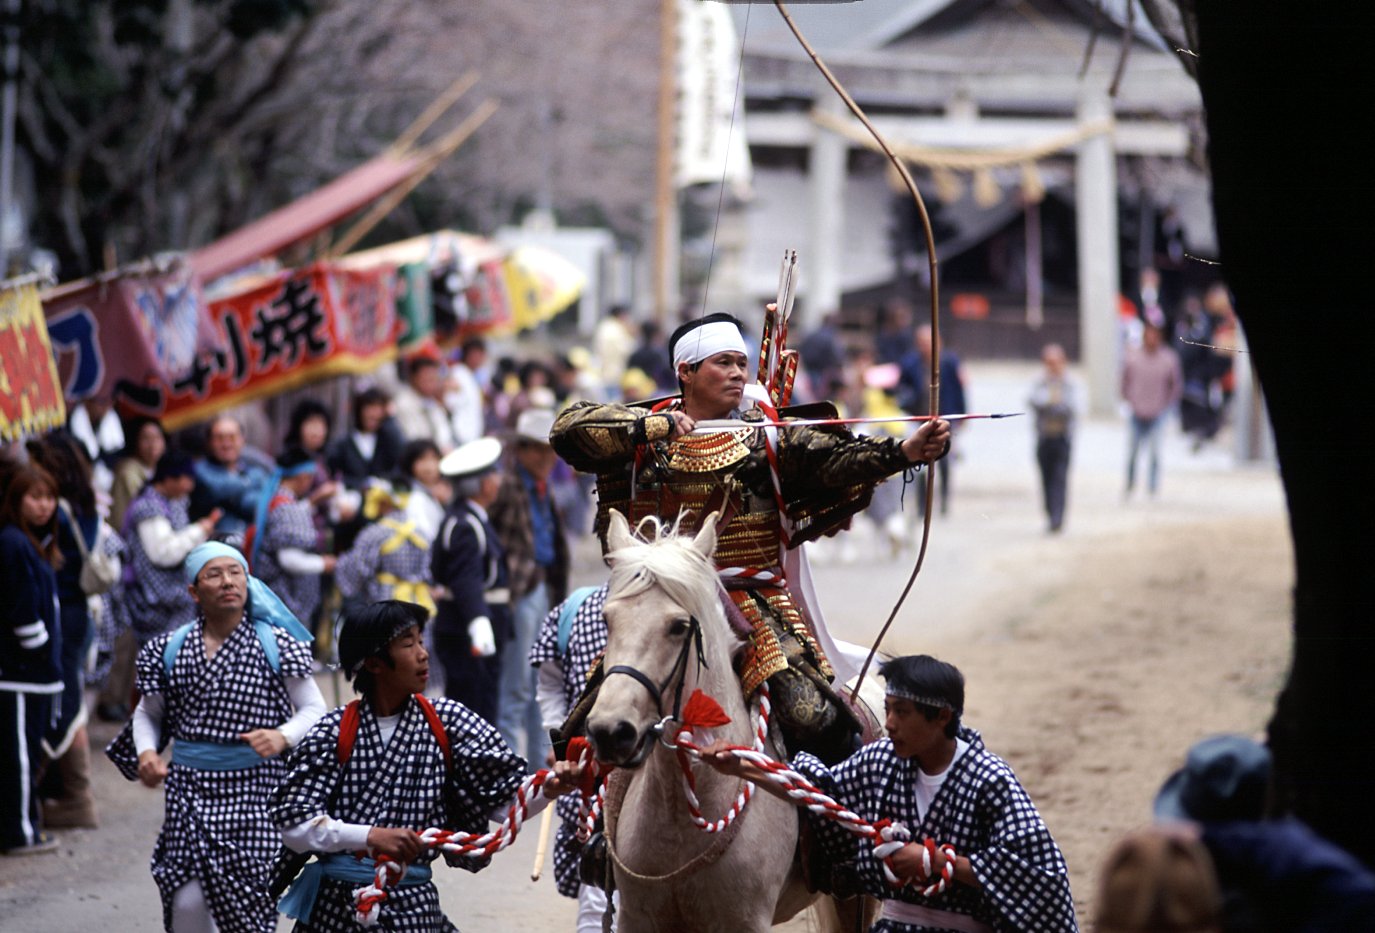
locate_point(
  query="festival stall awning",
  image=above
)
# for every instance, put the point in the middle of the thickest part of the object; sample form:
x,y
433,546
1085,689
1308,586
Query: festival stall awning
x,y
306,216
30,391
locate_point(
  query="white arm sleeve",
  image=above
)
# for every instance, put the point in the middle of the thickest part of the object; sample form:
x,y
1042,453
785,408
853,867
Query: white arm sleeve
x,y
309,704
326,834
165,547
298,562
147,723
549,694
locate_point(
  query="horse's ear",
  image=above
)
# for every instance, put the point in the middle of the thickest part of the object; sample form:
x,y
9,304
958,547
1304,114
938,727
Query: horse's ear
x,y
618,532
705,542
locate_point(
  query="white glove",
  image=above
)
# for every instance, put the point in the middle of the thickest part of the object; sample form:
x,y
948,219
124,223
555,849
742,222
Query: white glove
x,y
482,642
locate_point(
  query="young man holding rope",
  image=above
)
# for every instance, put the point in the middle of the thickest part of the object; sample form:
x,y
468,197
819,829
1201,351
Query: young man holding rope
x,y
776,487
374,774
991,863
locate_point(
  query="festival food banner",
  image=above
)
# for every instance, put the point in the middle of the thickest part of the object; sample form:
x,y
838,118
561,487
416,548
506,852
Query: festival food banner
x,y
126,333
539,284
414,305
297,327
30,391
157,346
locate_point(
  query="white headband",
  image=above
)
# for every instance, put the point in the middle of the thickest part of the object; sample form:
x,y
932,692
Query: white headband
x,y
901,693
706,341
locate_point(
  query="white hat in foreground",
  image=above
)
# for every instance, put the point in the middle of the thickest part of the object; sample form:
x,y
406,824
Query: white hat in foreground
x,y
471,459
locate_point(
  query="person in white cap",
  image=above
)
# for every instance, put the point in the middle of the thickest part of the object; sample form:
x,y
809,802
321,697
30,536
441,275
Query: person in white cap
x,y
528,523
775,488
468,567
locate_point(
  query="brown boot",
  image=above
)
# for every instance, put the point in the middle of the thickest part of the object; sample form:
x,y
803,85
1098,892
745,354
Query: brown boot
x,y
76,807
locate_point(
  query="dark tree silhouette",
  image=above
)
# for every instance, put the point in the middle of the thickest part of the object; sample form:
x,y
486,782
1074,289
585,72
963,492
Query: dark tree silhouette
x,y
1290,92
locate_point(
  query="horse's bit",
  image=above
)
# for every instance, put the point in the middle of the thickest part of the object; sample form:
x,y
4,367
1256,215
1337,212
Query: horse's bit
x,y
679,671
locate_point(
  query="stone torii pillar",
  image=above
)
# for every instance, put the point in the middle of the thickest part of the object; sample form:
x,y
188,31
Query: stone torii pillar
x,y
1095,202
820,257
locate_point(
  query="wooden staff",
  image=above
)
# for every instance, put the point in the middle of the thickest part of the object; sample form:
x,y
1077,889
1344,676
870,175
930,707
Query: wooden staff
x,y
546,824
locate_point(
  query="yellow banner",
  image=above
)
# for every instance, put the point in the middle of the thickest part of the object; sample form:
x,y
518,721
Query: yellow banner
x,y
30,391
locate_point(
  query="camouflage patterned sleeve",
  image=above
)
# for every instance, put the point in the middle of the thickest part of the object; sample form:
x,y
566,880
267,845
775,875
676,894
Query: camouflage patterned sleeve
x,y
591,436
821,459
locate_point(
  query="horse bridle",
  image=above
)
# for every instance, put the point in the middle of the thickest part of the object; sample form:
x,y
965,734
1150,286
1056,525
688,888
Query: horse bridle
x,y
678,671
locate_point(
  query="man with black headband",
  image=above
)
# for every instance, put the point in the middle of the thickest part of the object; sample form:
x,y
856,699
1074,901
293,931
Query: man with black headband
x,y
775,487
231,690
370,776
934,776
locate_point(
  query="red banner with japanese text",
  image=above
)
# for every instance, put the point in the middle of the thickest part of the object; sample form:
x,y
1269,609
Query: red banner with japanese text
x,y
155,345
30,392
122,336
297,327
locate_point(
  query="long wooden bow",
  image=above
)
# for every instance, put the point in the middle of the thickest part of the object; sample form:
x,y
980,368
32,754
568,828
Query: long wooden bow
x,y
935,364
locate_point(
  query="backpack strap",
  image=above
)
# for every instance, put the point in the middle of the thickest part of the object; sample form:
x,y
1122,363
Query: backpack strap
x,y
437,728
268,639
169,653
571,605
348,733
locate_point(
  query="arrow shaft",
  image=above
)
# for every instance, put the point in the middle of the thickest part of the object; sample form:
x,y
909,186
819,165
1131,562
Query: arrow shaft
x,y
726,424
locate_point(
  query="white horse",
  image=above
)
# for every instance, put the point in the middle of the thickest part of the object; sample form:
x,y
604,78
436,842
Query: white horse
x,y
668,635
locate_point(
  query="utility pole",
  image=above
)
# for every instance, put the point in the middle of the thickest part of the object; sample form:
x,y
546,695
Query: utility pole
x,y
664,275
10,10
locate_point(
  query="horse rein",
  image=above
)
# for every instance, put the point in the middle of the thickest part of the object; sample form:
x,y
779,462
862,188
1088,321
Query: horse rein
x,y
678,672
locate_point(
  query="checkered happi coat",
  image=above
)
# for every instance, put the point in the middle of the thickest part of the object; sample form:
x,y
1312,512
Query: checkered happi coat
x,y
981,810
586,642
217,826
401,784
290,525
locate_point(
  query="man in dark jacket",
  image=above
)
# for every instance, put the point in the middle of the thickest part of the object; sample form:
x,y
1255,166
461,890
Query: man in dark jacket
x,y
473,595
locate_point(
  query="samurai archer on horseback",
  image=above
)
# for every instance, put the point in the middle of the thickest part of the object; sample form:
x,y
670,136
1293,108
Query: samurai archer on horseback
x,y
776,488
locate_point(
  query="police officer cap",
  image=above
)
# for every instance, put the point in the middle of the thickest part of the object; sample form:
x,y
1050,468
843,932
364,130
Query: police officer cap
x,y
367,630
472,459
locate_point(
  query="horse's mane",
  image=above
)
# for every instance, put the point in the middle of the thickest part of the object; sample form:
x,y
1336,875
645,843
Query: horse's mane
x,y
665,557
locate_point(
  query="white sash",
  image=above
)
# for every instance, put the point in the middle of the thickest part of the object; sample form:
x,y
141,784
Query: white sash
x,y
917,915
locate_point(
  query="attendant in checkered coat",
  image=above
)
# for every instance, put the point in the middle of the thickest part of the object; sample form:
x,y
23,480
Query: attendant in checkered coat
x,y
563,658
368,777
937,778
232,691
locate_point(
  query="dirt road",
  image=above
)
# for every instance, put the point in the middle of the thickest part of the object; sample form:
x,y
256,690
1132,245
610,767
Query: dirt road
x,y
1094,658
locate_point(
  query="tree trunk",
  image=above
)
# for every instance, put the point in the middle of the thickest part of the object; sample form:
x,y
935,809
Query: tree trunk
x,y
1288,93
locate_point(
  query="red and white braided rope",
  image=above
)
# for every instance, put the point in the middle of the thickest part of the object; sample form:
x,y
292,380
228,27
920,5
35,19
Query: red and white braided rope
x,y
368,900
758,574
887,837
761,734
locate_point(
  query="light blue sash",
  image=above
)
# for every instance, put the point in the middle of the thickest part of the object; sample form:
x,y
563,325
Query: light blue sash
x,y
215,756
299,899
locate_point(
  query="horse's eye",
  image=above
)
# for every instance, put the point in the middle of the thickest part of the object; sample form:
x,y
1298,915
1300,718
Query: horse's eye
x,y
679,627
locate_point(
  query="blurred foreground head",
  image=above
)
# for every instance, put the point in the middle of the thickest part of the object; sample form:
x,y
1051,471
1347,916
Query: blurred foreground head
x,y
1158,880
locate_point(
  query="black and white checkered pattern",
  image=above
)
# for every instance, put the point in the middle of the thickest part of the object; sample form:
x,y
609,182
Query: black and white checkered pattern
x,y
217,827
109,623
401,784
356,573
290,525
586,642
981,810
157,600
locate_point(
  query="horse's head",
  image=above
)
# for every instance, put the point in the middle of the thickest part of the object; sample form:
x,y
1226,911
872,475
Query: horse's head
x,y
664,623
